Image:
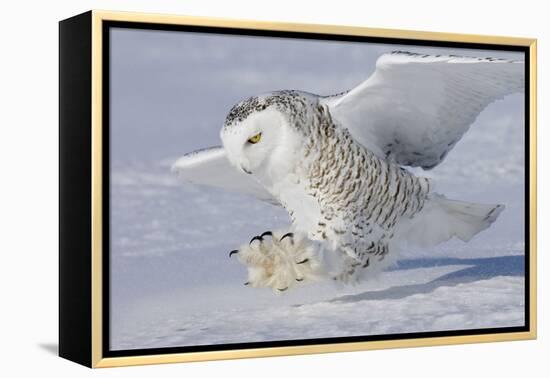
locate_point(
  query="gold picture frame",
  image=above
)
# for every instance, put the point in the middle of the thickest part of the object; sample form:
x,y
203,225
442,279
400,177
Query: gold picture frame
x,y
82,246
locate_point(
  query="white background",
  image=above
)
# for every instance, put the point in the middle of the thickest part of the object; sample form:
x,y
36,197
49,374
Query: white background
x,y
28,152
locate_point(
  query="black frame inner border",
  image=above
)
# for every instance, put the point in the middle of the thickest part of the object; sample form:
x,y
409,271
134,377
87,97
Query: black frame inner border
x,y
107,25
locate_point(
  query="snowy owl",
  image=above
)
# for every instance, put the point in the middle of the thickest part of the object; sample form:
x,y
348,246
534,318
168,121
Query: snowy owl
x,y
337,165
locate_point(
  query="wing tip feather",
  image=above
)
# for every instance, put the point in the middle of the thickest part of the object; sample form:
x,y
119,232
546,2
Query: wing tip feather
x,y
193,158
403,56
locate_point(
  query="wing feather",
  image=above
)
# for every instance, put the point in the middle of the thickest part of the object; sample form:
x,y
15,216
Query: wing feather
x,y
210,167
414,108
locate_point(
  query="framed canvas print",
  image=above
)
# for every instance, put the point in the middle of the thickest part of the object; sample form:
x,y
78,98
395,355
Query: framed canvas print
x,y
235,189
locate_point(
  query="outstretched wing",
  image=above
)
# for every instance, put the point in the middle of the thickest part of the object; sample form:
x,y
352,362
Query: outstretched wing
x,y
415,107
211,167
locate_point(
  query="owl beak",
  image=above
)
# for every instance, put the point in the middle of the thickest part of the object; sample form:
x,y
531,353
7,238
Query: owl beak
x,y
245,170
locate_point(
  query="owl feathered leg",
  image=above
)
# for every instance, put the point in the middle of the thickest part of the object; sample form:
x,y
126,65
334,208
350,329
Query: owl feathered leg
x,y
353,266
280,260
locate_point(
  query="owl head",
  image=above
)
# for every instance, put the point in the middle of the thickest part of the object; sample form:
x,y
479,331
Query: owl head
x,y
261,135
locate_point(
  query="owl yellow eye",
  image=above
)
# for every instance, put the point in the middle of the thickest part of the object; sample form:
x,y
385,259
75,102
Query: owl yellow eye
x,y
255,139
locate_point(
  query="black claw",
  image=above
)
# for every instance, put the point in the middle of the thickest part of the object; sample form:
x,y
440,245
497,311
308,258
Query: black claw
x,y
303,261
267,233
288,234
255,238
233,252
365,265
246,283
283,289
299,279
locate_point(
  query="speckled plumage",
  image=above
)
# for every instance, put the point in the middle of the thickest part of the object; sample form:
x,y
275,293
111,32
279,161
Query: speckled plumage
x,y
361,196
292,103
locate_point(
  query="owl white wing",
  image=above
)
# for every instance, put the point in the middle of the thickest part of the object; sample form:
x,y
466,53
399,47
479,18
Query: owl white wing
x,y
210,167
414,108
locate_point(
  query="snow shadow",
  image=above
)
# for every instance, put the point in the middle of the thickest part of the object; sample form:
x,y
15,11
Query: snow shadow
x,y
477,269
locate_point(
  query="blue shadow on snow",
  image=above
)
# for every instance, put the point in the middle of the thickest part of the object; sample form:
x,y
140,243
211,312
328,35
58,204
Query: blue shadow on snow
x,y
478,269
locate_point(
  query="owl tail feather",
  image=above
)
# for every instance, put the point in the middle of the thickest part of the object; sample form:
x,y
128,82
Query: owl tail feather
x,y
442,218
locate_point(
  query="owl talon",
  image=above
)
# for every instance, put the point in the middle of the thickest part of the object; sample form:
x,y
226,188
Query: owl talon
x,y
255,238
233,252
299,279
288,234
286,288
267,233
303,261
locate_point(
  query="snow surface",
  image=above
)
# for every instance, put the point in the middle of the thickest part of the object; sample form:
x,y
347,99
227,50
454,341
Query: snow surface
x,y
172,283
